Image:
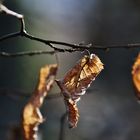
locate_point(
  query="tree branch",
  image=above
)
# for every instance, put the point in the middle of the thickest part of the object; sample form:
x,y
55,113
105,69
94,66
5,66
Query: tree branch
x,y
30,53
23,33
10,12
50,43
8,36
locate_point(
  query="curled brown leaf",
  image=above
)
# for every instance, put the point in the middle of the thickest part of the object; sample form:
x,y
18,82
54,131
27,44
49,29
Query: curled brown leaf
x,y
76,82
31,116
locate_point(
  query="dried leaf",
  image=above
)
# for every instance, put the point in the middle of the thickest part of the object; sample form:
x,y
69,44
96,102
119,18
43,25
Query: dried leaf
x,y
136,76
32,116
75,83
73,114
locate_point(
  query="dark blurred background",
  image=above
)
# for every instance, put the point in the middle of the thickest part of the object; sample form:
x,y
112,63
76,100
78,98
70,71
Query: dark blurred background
x,y
109,110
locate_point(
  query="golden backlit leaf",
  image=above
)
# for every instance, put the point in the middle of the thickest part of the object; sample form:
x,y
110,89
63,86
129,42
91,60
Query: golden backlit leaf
x,y
136,76
75,83
32,116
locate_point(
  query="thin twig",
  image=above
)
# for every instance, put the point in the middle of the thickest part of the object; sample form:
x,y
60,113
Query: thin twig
x,y
62,126
36,52
30,53
23,33
22,30
50,43
47,42
10,12
8,36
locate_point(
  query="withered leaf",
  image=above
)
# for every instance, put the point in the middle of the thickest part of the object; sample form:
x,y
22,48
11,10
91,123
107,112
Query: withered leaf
x,y
75,83
73,114
136,76
31,116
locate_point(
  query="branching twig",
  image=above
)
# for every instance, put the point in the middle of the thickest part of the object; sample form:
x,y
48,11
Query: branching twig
x,y
47,42
23,33
50,43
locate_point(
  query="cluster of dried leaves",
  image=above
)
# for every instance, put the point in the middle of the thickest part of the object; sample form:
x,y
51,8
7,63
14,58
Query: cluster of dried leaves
x,y
73,85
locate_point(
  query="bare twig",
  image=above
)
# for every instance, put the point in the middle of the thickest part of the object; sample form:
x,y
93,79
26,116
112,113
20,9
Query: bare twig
x,y
50,43
10,12
36,52
47,42
9,36
23,33
30,53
